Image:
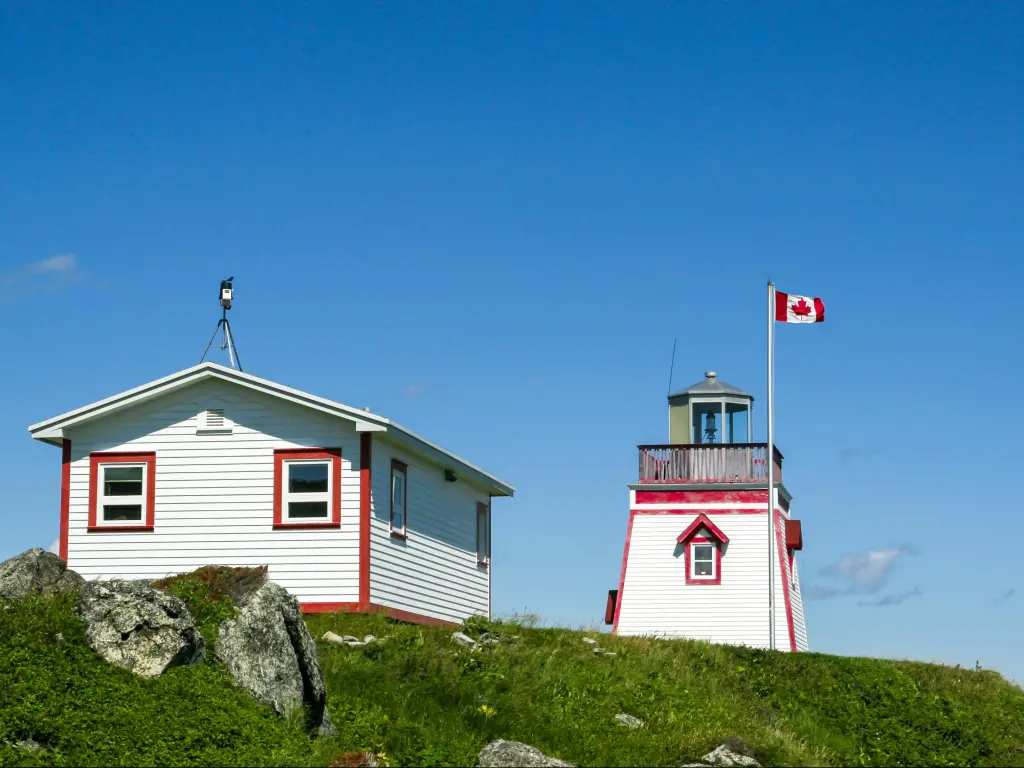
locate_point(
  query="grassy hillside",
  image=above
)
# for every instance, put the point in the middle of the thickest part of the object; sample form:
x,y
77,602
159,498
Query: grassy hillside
x,y
419,699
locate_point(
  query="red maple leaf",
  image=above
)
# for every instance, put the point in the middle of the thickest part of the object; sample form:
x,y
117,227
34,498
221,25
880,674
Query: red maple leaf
x,y
801,308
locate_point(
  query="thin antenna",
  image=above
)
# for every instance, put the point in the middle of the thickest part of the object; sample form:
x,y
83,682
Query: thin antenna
x,y
672,366
228,342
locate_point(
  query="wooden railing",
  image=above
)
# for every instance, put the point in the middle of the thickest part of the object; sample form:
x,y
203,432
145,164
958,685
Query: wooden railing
x,y
707,463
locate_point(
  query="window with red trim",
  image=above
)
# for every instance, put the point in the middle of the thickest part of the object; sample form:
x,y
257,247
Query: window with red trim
x,y
399,488
122,491
703,543
307,488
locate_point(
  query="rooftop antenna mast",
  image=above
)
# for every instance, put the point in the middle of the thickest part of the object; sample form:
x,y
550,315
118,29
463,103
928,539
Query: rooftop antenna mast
x,y
228,341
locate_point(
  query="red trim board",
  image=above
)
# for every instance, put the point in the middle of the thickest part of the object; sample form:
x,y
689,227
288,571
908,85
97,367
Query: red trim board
x,y
365,489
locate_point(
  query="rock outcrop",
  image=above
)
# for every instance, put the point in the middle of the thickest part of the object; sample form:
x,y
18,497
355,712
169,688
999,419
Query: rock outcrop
x,y
513,754
36,572
269,652
134,626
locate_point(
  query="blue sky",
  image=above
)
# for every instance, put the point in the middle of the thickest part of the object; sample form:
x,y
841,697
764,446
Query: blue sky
x,y
489,221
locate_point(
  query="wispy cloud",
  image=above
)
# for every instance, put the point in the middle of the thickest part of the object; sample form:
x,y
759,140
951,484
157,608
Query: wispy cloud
x,y
1007,594
894,599
860,574
54,547
40,276
415,389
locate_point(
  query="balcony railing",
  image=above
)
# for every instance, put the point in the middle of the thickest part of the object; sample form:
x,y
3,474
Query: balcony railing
x,y
707,463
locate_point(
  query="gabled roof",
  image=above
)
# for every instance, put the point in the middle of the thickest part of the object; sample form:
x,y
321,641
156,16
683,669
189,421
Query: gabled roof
x,y
52,430
702,521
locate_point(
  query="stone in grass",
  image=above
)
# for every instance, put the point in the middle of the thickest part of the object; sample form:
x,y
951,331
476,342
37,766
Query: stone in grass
x,y
268,651
134,626
723,756
488,639
515,754
330,637
463,639
629,721
592,641
36,572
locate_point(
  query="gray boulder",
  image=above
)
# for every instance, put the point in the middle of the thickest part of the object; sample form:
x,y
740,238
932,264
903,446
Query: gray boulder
x,y
723,756
139,628
268,651
515,754
629,721
36,572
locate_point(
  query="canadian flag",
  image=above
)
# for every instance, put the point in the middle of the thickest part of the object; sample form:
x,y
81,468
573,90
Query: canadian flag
x,y
798,309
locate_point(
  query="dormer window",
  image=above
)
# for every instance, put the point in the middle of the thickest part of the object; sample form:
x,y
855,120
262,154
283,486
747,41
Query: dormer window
x,y
703,544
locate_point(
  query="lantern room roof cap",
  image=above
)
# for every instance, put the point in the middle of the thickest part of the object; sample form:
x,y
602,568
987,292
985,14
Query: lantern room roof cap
x,y
711,385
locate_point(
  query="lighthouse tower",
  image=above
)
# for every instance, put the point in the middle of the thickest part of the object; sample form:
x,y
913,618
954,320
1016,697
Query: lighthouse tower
x,y
696,562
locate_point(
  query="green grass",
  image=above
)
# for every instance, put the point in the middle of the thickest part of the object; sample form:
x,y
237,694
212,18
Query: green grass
x,y
419,699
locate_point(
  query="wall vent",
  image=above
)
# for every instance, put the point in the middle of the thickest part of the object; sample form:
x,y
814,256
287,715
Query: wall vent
x,y
213,421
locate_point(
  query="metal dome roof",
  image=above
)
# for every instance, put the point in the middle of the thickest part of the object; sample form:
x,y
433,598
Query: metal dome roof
x,y
712,385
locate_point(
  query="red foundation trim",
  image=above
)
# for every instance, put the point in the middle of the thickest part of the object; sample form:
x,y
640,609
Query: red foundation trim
x,y
142,457
393,613
622,576
65,497
365,490
330,454
780,546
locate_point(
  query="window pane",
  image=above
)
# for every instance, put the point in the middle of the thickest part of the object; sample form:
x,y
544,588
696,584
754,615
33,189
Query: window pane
x,y
702,568
122,481
308,478
481,534
398,491
122,473
122,512
703,552
398,520
307,509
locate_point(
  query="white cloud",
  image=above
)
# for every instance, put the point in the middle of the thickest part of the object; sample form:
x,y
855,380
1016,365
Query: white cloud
x,y
45,275
865,574
54,547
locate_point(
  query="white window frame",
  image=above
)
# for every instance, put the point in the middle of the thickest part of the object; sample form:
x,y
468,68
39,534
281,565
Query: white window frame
x,y
288,496
483,558
693,560
102,500
402,470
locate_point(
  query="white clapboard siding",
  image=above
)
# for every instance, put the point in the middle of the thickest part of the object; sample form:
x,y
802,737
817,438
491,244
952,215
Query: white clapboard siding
x,y
434,571
214,492
799,622
656,600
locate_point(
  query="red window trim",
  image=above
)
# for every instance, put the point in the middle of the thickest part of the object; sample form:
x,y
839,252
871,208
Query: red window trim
x,y
688,537
139,457
330,454
403,532
486,509
718,559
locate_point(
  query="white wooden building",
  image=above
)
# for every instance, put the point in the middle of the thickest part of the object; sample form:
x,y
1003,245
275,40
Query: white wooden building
x,y
211,466
696,558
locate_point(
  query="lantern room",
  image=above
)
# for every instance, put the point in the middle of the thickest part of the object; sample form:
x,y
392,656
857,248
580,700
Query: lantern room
x,y
710,411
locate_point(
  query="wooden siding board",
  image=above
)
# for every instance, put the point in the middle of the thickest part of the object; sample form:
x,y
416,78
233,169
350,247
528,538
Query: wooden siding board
x,y
432,572
214,493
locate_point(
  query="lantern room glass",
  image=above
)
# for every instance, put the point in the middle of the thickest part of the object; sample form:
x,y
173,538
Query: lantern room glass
x,y
720,421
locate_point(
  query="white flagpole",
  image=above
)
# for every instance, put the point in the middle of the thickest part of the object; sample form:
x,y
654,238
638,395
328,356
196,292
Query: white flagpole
x,y
770,458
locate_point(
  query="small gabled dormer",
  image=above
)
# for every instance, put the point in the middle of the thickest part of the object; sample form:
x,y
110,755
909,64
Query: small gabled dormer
x,y
212,420
703,545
